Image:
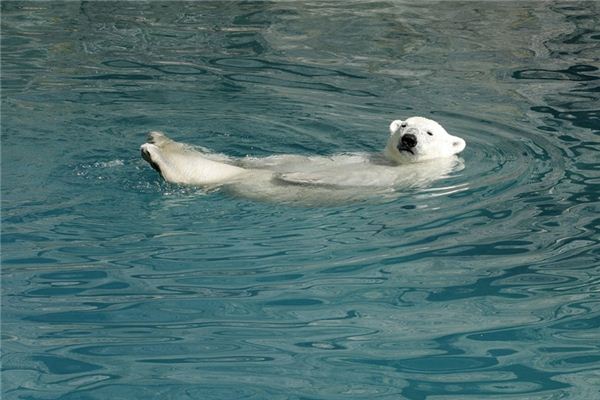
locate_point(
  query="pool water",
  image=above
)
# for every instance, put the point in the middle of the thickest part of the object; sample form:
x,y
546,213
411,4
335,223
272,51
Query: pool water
x,y
483,285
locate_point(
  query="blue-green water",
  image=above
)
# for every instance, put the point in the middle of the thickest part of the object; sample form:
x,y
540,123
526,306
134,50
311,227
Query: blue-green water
x,y
116,285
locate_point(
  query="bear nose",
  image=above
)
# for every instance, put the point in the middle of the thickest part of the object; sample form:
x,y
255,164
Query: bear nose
x,y
409,140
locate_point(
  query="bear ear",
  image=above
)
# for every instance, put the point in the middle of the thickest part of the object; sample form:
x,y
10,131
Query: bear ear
x,y
458,145
395,125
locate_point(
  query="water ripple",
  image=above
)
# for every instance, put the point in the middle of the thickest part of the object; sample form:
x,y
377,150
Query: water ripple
x,y
116,284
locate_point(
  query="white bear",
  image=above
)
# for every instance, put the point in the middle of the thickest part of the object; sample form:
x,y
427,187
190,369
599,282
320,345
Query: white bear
x,y
418,152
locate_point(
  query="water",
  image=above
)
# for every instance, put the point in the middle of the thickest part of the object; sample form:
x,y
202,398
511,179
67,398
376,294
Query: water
x,y
117,285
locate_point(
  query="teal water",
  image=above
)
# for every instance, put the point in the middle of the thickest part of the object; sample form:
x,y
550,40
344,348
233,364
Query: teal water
x,y
117,285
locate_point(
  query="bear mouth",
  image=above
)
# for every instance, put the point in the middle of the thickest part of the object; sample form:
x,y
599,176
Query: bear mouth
x,y
401,147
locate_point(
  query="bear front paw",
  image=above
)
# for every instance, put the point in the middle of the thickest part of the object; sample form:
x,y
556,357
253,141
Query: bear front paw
x,y
147,155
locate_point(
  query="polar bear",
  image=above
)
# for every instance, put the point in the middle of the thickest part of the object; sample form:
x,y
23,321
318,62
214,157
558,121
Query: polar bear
x,y
418,152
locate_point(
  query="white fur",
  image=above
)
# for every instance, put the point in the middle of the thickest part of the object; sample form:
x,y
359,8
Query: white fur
x,y
289,177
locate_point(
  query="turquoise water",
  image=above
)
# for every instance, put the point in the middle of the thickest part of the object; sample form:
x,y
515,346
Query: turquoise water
x,y
117,285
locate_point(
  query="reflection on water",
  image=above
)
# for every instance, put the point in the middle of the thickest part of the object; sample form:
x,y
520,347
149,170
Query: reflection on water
x,y
116,284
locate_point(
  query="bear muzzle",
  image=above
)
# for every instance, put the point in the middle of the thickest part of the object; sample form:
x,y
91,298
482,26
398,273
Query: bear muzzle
x,y
407,143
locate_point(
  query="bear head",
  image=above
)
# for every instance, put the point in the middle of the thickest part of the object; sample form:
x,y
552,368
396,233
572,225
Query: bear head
x,y
420,139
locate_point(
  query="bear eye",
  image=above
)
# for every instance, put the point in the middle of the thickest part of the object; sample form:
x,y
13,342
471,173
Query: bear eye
x,y
429,133
403,125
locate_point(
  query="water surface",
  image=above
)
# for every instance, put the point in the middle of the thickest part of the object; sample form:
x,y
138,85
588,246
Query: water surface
x,y
116,284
